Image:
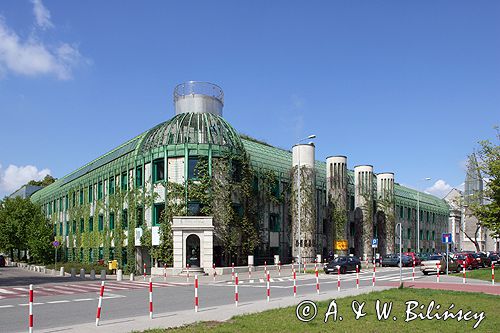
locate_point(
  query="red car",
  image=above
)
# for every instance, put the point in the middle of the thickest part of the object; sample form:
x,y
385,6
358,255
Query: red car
x,y
466,260
414,257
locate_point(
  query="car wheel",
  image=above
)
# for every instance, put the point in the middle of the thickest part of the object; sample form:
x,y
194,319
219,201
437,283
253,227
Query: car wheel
x,y
425,272
327,272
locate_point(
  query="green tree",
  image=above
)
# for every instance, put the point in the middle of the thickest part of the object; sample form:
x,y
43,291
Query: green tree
x,y
24,227
487,210
44,182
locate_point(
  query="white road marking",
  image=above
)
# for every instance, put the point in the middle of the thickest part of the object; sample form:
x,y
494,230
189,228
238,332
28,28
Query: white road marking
x,y
6,306
5,291
83,299
57,302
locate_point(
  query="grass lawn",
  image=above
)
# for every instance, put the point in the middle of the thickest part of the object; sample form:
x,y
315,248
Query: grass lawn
x,y
481,274
284,320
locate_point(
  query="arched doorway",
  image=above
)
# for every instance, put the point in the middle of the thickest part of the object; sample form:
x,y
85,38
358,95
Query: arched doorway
x,y
193,250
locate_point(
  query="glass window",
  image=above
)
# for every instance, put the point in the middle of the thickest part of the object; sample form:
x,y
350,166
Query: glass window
x,y
99,190
157,212
74,227
421,235
138,176
194,208
409,214
82,225
91,223
74,199
91,193
274,222
101,223
66,204
111,221
158,170
67,228
60,229
408,233
192,162
433,235
124,219
351,202
427,235
140,217
111,185
124,181
81,196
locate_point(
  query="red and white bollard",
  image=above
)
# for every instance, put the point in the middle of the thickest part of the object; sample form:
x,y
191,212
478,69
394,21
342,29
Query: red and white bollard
x,y
31,309
373,277
464,274
493,274
279,268
317,279
196,293
413,271
150,298
294,283
187,278
357,277
338,278
98,315
165,272
268,286
232,271
144,271
236,289
437,269
215,273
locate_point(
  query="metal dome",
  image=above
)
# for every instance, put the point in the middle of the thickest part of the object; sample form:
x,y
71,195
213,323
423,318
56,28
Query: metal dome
x,y
196,128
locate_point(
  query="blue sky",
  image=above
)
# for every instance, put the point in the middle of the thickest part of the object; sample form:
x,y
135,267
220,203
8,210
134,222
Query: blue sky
x,y
408,87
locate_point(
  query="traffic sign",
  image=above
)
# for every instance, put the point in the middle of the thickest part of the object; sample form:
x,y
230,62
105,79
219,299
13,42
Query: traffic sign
x,y
447,239
375,243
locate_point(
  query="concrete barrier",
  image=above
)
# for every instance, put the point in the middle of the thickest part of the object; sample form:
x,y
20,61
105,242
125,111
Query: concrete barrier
x,y
131,277
103,274
73,272
119,275
61,271
92,274
82,273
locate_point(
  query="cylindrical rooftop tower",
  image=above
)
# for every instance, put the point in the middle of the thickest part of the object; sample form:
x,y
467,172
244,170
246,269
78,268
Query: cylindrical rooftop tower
x,y
198,97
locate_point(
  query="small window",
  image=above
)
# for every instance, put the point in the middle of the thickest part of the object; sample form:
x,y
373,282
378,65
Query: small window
x,y
82,225
158,170
99,190
433,235
421,235
74,227
351,202
274,222
401,212
140,217
91,223
427,235
157,212
124,181
408,233
111,221
192,172
67,228
66,204
91,193
194,208
81,197
74,199
60,229
111,185
101,223
124,219
138,176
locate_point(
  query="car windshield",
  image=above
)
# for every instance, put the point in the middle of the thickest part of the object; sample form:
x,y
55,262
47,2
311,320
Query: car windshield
x,y
461,256
435,257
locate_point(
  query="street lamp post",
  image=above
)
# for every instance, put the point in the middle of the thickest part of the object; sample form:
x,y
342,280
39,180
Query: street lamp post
x,y
312,136
418,218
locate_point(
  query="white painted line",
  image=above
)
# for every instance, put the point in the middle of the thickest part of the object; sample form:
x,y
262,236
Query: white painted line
x,y
6,306
22,289
49,290
5,291
82,299
251,281
26,304
57,302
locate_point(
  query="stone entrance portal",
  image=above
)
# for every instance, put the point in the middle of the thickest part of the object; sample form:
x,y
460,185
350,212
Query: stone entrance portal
x,y
193,241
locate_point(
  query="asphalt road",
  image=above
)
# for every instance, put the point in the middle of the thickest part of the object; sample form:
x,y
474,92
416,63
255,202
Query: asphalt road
x,y
77,305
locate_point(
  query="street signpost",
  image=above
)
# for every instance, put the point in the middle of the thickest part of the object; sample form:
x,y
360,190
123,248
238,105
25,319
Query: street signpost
x,y
374,246
447,239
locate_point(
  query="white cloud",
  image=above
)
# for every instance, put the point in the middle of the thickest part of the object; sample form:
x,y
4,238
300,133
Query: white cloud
x,y
42,15
31,56
439,189
14,176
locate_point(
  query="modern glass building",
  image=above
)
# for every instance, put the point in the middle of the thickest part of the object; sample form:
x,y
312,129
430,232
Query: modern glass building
x,y
264,200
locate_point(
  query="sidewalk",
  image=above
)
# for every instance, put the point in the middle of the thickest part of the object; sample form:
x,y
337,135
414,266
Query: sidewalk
x,y
219,313
451,283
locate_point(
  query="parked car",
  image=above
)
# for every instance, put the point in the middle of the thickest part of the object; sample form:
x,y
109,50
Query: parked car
x,y
482,259
414,256
393,260
431,264
346,264
466,260
494,258
2,261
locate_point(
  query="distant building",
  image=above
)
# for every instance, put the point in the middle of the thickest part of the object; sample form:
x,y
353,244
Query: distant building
x,y
25,191
454,200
